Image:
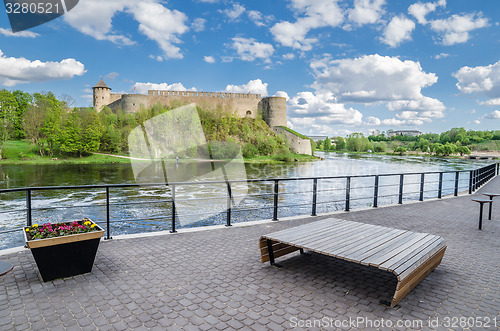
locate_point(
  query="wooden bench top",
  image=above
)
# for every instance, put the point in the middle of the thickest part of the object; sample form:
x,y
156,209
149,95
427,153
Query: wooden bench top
x,y
402,252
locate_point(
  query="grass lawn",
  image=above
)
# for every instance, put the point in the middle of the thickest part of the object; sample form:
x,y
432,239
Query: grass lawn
x,y
22,151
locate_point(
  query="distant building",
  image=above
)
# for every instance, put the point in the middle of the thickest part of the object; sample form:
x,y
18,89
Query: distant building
x,y
409,133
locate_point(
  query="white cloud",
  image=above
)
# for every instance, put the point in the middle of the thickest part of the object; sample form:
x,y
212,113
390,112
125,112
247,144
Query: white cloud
x,y
398,30
455,29
282,94
420,10
289,56
254,86
158,23
480,80
491,102
313,14
23,34
259,19
430,107
323,108
161,25
366,11
476,122
209,59
493,116
249,49
375,79
143,88
236,11
441,56
372,78
15,71
209,1
198,24
111,76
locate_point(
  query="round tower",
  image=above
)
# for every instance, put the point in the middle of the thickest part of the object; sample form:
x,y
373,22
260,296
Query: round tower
x,y
102,95
273,110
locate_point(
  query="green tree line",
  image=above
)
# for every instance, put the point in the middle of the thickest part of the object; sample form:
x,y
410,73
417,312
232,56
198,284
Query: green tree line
x,y
454,141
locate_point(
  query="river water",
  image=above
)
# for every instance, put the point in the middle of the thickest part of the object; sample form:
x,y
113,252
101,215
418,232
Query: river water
x,y
150,208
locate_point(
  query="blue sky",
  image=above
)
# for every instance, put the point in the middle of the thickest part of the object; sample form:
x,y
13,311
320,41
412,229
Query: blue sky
x,y
344,66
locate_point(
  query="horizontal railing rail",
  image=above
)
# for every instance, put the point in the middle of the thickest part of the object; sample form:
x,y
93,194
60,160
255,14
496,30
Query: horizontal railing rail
x,y
468,180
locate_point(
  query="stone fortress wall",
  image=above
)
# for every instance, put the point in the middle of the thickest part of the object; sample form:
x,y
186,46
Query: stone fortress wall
x,y
272,109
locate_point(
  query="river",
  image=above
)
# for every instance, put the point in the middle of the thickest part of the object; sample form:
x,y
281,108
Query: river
x,y
151,206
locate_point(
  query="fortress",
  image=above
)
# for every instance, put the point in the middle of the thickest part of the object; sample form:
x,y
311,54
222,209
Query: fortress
x,y
272,109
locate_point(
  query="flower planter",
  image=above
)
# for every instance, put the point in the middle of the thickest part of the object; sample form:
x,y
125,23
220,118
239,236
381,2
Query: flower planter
x,y
65,256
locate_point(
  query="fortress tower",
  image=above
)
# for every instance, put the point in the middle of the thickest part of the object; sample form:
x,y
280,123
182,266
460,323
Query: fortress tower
x,y
273,110
102,95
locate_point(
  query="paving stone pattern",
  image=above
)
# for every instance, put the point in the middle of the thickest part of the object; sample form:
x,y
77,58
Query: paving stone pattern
x,y
213,280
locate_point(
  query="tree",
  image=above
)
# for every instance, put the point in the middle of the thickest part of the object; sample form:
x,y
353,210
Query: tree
x,y
71,142
33,120
463,150
339,144
400,150
8,105
54,110
327,145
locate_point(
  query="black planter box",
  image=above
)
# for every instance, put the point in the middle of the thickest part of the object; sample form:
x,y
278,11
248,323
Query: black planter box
x,y
66,260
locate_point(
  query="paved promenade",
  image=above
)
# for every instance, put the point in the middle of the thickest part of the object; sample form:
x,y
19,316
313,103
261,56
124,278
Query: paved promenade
x,y
213,280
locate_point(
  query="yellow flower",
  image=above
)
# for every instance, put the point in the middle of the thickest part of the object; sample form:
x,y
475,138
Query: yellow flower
x,y
35,225
92,226
87,223
27,229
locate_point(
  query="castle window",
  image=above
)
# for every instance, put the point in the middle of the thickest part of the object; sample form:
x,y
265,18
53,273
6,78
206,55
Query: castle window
x,y
249,113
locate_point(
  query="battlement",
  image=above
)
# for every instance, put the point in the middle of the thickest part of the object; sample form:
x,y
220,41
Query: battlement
x,y
163,93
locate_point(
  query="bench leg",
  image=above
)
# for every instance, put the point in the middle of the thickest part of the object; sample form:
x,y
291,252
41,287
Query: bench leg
x,y
481,216
491,205
406,285
270,251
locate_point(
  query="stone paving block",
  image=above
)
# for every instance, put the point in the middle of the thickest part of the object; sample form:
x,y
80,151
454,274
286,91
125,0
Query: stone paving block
x,y
214,279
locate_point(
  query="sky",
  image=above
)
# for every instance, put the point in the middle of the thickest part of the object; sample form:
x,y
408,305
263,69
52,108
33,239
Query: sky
x,y
344,66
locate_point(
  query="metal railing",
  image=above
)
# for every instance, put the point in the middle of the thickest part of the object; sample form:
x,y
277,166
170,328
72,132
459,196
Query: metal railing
x,y
473,180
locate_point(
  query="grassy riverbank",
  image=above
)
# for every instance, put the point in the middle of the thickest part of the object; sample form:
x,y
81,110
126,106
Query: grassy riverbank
x,y
22,152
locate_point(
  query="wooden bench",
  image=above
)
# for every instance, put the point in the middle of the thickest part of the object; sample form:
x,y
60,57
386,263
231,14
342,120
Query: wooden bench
x,y
409,255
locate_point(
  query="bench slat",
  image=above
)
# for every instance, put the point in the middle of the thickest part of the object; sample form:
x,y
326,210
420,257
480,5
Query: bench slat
x,y
335,238
369,256
382,237
337,247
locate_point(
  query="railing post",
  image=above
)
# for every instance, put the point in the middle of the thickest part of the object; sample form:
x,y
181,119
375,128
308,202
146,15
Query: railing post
x,y
108,229
470,182
375,192
172,186
228,221
401,179
457,175
347,193
473,180
422,180
275,205
28,207
315,194
440,185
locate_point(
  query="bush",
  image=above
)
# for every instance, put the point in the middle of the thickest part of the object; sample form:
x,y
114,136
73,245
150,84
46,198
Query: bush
x,y
400,150
249,150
